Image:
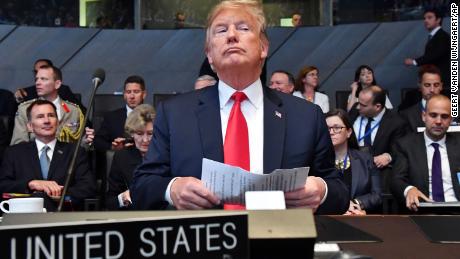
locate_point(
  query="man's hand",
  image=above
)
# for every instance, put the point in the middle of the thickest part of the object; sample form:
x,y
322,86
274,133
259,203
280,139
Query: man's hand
x,y
51,188
309,196
409,62
126,198
382,160
119,144
89,135
355,209
20,94
190,193
412,198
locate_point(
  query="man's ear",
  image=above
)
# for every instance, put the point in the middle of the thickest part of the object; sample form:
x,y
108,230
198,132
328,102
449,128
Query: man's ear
x,y
29,127
57,84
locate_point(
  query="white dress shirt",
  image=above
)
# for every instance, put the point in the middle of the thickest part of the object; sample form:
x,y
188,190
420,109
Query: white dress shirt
x,y
57,103
449,194
51,146
363,121
253,111
128,110
320,99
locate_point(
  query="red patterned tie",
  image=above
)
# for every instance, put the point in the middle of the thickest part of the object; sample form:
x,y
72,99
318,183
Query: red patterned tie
x,y
236,144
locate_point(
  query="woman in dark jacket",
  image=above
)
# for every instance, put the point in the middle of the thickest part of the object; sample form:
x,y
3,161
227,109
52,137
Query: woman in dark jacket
x,y
357,167
139,126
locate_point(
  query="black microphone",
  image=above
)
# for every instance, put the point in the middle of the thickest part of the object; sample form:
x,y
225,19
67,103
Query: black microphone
x,y
98,79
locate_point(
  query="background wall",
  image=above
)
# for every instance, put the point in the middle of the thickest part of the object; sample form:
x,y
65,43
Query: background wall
x,y
169,60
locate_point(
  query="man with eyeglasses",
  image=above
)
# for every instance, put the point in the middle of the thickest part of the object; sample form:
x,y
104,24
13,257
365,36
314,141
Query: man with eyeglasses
x,y
426,166
111,133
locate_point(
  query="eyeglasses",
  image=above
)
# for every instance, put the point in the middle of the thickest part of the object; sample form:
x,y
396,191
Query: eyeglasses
x,y
335,129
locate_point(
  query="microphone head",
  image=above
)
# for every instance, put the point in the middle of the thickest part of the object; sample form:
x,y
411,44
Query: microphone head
x,y
98,77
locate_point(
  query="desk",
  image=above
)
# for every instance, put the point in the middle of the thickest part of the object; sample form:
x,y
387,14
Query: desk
x,y
401,239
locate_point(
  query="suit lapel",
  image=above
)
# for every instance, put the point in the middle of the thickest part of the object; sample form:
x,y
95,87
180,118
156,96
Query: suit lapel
x,y
381,130
58,160
34,161
357,169
454,162
208,116
274,131
421,161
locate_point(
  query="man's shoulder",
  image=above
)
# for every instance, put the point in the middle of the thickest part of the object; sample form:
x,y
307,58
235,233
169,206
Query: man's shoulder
x,y
70,107
410,141
20,147
26,104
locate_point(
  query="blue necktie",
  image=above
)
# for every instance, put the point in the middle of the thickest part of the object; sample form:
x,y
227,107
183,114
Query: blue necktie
x,y
44,162
368,138
437,188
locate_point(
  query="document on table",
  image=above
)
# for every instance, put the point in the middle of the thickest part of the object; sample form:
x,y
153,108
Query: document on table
x,y
230,183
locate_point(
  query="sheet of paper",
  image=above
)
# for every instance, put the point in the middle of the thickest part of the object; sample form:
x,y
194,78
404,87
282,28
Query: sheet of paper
x,y
230,183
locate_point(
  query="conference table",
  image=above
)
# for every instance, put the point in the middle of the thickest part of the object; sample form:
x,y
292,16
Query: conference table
x,y
378,236
400,236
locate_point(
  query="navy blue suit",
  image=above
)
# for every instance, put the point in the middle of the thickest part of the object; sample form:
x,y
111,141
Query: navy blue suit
x,y
188,128
365,181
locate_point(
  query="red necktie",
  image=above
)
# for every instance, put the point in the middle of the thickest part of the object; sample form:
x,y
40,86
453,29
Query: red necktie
x,y
236,144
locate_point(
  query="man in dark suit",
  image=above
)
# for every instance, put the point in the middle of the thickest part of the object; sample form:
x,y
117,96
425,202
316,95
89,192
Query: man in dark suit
x,y
437,48
276,130
29,93
111,134
427,166
377,128
41,164
8,107
429,81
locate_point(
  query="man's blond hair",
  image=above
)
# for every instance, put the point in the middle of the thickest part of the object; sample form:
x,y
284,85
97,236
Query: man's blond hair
x,y
254,8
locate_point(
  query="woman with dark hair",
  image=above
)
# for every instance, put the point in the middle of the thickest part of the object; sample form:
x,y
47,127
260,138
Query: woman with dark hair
x,y
357,167
139,126
364,77
306,87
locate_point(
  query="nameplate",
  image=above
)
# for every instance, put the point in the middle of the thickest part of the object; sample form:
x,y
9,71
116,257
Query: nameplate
x,y
178,237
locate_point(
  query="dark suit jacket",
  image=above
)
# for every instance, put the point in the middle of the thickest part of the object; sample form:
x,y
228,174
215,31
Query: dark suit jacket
x,y
21,165
188,129
111,128
411,165
413,117
64,92
391,128
8,105
437,52
365,181
4,140
121,174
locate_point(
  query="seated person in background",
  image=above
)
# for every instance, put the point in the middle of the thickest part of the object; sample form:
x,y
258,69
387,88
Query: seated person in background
x,y
29,93
139,125
377,128
426,165
111,134
41,164
282,81
429,83
359,172
307,84
204,81
70,118
364,77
